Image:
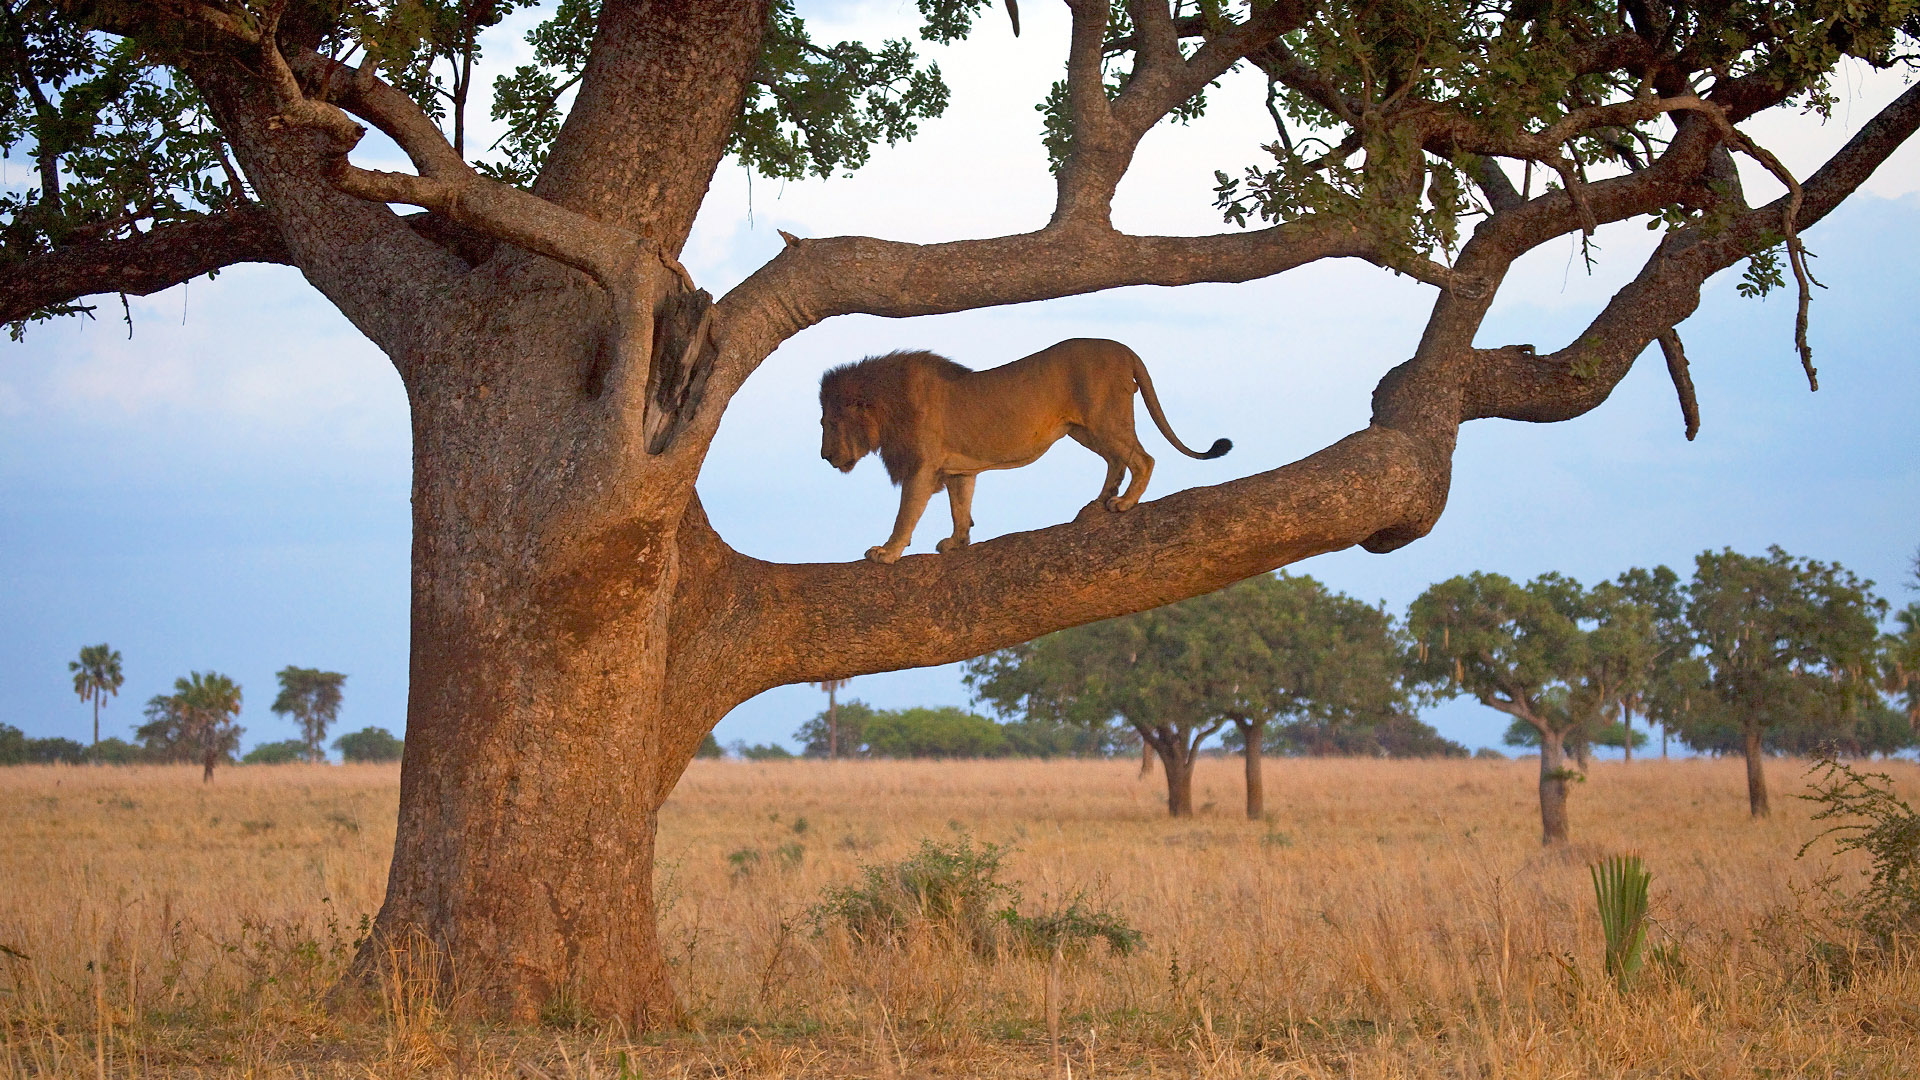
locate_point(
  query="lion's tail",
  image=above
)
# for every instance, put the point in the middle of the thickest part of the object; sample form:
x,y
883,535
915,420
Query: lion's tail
x,y
1141,379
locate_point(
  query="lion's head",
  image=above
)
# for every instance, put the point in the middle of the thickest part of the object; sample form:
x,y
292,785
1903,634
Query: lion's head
x,y
849,420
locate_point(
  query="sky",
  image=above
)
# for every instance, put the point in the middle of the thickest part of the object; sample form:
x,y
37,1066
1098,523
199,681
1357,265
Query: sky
x,y
225,487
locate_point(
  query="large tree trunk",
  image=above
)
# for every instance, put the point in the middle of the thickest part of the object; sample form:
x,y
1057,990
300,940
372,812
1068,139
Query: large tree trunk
x,y
1176,759
1255,732
1553,789
1626,726
540,741
1756,774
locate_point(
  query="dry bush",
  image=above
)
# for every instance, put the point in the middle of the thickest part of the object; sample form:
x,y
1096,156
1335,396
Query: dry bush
x,y
1389,919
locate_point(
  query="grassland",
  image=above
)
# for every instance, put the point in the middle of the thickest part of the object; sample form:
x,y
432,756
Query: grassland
x,y
1389,919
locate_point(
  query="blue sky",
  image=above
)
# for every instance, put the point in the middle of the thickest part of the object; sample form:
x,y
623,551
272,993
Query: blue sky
x,y
228,489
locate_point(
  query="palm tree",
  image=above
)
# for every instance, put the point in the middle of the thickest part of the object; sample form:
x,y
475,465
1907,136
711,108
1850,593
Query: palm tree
x,y
96,675
832,687
312,697
208,706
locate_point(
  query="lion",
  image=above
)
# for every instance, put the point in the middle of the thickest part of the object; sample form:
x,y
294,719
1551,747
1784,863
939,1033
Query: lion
x,y
936,423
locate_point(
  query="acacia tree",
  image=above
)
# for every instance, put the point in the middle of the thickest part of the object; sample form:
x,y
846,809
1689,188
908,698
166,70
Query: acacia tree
x,y
1900,660
1538,653
1158,671
1311,667
96,675
1656,596
1785,642
577,626
312,697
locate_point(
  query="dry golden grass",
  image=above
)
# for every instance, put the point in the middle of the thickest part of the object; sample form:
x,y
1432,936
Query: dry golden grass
x,y
1390,919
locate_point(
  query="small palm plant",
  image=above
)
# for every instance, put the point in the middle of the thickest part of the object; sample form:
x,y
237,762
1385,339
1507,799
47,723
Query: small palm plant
x,y
1620,887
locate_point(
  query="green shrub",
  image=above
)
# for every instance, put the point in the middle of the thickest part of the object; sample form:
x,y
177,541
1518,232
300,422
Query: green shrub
x,y
1867,817
285,752
1070,929
955,890
369,744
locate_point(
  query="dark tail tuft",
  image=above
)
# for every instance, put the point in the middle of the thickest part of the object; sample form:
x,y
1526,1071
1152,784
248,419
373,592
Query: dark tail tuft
x,y
1218,449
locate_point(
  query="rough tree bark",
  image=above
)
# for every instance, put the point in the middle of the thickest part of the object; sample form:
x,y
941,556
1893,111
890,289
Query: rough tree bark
x,y
1553,788
1178,747
1254,731
578,627
1756,773
1553,761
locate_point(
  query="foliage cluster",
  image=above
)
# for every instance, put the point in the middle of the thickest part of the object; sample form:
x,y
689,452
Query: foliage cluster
x,y
1866,816
948,732
369,744
956,891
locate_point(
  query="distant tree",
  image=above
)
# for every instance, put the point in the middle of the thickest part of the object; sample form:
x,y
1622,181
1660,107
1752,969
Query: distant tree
x,y
1404,735
117,751
1785,642
18,749
1272,650
1147,669
369,744
284,752
96,675
13,745
1052,739
710,748
207,706
1314,666
944,732
762,752
1900,663
1607,731
56,751
1535,652
824,736
164,733
163,738
311,697
833,687
1657,597
1393,734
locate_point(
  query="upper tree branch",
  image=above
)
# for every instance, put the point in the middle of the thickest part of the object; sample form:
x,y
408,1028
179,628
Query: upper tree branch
x,y
1518,385
814,280
141,264
657,101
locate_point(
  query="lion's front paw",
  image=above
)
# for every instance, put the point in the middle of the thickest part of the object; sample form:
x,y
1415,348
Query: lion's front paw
x,y
1119,504
951,544
880,554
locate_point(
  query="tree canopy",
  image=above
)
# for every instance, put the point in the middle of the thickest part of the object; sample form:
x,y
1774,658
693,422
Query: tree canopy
x,y
312,697
1783,643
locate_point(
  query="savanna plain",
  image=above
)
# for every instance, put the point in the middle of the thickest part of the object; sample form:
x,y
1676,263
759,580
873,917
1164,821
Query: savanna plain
x,y
1385,919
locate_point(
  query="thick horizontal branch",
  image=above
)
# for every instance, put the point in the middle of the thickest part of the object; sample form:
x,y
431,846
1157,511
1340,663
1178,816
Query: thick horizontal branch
x,y
142,264
842,619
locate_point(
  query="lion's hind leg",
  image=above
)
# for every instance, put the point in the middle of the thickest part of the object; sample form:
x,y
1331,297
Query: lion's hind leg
x,y
960,498
1117,466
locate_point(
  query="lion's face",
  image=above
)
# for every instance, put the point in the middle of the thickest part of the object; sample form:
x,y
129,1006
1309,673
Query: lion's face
x,y
848,432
